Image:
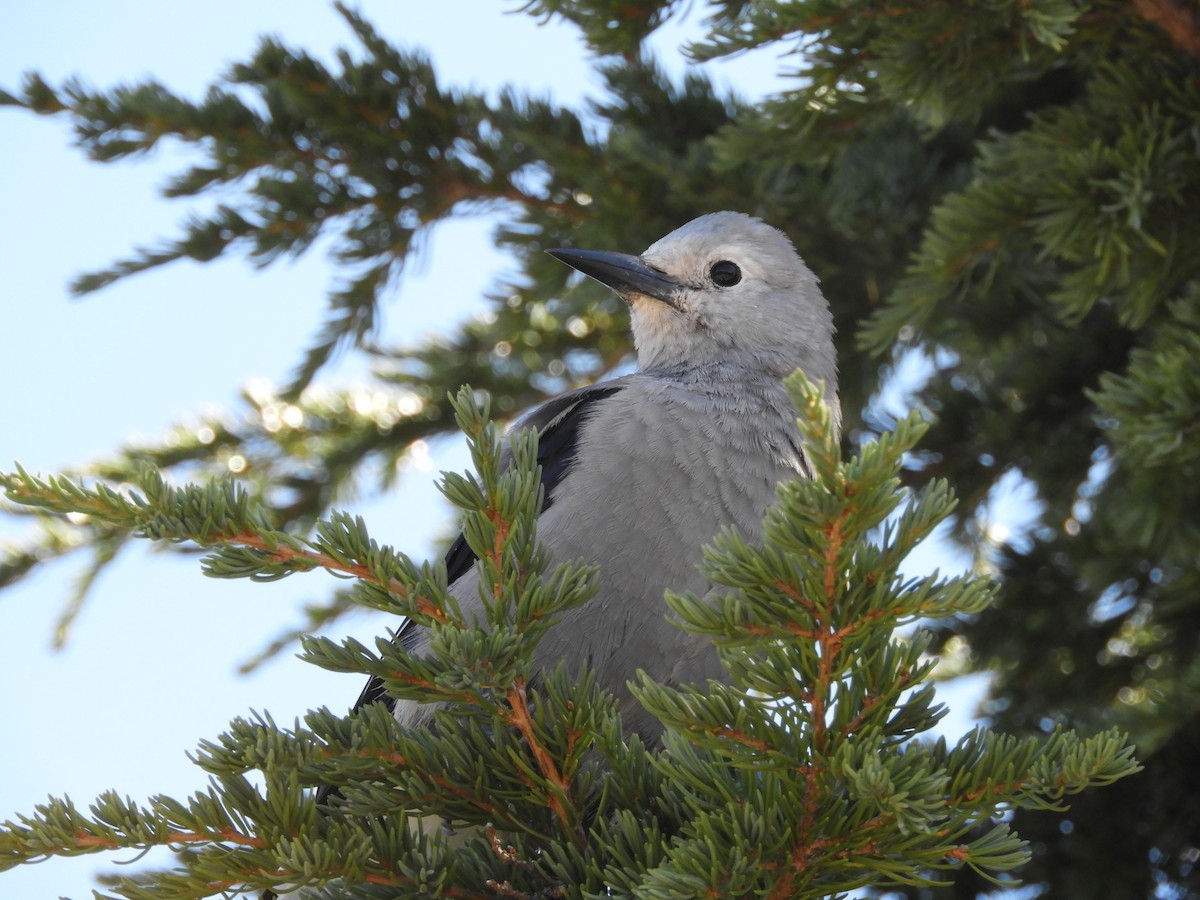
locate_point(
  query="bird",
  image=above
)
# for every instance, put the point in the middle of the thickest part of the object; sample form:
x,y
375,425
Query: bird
x,y
640,471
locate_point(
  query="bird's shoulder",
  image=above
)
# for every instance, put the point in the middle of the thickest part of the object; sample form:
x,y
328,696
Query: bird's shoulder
x,y
731,411
731,395
565,410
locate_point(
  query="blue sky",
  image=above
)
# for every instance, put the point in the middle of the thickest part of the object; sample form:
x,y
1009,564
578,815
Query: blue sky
x,y
150,667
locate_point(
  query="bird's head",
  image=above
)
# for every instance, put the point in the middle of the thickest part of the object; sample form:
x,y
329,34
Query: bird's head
x,y
725,287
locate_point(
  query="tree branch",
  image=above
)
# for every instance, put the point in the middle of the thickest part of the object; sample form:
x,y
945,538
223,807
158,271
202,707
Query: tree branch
x,y
1180,20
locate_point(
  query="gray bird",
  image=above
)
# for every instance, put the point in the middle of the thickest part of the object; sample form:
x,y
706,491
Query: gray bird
x,y
641,471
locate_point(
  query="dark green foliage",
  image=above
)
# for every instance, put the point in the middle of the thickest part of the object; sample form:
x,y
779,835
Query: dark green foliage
x,y
799,777
1005,188
610,26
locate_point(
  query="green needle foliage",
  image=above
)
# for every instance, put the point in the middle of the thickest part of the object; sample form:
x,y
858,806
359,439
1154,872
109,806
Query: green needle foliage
x,y
805,774
999,191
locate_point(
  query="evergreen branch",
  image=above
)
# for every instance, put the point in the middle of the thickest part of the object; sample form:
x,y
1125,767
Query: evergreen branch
x,y
404,675
483,442
501,505
814,729
1061,133
301,456
1181,21
220,517
58,828
822,704
317,616
637,20
104,551
303,170
519,717
293,459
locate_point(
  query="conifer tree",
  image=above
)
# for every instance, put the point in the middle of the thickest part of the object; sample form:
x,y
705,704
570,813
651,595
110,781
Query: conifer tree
x,y
1005,189
800,777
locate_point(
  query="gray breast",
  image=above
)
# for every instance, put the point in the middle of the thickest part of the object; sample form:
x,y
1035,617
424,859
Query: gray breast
x,y
660,469
657,469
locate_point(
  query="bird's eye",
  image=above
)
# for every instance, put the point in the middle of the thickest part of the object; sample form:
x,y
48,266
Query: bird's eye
x,y
725,273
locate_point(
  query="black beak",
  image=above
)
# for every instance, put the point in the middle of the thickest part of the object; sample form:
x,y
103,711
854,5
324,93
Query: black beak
x,y
625,274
